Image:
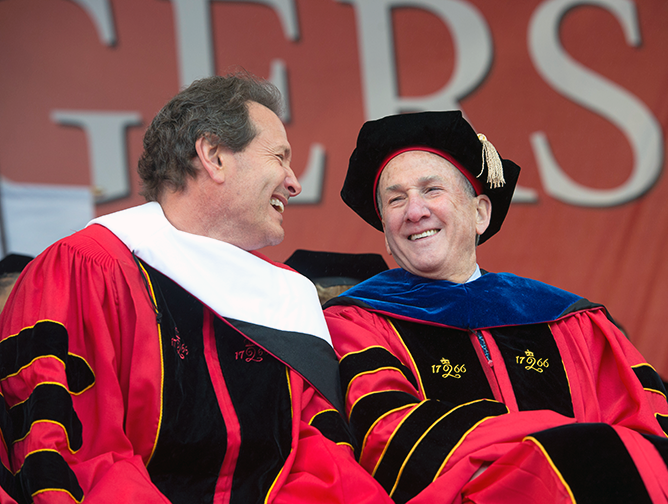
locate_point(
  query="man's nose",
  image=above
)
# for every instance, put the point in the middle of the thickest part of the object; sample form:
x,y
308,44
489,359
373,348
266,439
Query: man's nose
x,y
291,183
417,208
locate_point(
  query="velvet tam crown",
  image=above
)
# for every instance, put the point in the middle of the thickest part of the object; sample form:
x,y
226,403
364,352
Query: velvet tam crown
x,y
447,134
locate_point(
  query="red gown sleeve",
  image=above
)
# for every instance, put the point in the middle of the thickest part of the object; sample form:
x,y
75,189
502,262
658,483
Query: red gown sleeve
x,y
323,468
610,384
388,387
611,380
82,424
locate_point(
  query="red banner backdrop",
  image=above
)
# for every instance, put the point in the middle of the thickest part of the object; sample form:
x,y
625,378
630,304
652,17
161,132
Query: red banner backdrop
x,y
573,91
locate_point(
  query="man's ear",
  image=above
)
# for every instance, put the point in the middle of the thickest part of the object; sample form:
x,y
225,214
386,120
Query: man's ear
x,y
211,158
483,213
387,243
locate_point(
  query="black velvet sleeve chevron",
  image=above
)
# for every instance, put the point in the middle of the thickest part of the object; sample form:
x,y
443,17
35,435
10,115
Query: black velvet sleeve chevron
x,y
369,360
424,441
331,424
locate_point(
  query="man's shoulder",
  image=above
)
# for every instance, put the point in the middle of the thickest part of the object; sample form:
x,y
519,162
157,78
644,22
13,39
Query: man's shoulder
x,y
493,300
521,285
95,243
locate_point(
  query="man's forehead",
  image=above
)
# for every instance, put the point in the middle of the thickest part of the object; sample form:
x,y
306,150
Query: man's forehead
x,y
425,165
421,181
263,117
269,128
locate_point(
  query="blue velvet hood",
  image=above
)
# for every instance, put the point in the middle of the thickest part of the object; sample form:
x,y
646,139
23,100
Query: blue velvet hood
x,y
493,300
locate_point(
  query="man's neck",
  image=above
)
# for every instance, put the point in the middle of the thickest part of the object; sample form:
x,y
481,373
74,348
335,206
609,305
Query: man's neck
x,y
184,211
476,274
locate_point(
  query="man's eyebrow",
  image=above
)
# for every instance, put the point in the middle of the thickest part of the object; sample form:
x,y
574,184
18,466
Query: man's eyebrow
x,y
392,188
422,181
430,179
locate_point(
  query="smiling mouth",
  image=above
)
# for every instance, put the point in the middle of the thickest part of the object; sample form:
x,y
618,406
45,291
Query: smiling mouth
x,y
277,204
424,234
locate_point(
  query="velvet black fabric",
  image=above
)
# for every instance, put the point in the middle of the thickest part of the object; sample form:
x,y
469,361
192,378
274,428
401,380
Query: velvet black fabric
x,y
425,439
429,345
493,300
313,358
45,338
332,426
447,132
335,268
371,360
369,408
14,263
593,461
44,470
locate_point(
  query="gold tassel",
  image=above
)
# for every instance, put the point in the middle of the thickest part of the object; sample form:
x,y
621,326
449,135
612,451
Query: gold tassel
x,y
494,166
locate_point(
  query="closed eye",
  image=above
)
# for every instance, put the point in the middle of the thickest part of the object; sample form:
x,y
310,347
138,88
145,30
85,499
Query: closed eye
x,y
395,199
433,189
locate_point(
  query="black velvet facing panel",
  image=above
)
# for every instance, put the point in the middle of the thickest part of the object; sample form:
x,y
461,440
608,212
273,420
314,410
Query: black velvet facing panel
x,y
312,357
259,389
193,438
369,360
535,368
594,463
449,367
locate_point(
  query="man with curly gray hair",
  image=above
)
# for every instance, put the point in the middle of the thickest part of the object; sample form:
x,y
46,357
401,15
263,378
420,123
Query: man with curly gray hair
x,y
156,356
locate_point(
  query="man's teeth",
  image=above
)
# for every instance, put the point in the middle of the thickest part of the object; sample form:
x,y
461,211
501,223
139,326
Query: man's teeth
x,y
277,204
423,234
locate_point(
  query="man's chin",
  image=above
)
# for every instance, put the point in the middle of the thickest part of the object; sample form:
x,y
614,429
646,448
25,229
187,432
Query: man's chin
x,y
274,239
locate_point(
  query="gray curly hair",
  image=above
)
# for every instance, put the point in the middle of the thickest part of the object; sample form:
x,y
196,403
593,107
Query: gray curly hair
x,y
215,108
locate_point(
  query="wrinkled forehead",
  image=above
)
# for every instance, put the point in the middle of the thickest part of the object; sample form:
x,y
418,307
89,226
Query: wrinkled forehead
x,y
425,155
421,159
415,167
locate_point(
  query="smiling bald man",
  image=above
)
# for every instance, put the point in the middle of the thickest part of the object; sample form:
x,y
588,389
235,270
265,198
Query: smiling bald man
x,y
468,386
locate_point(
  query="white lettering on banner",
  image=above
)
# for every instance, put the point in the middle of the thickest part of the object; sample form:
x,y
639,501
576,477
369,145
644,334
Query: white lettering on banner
x,y
473,47
107,148
100,12
473,59
195,57
279,77
473,55
599,95
193,33
194,44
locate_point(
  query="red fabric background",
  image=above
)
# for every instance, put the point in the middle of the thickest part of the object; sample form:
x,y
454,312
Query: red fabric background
x,y
51,58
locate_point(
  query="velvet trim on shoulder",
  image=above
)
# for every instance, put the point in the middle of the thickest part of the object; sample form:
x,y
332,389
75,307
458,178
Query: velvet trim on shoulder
x,y
493,300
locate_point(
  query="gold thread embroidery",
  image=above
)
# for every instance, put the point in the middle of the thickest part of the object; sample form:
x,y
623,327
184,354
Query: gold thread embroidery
x,y
531,363
448,370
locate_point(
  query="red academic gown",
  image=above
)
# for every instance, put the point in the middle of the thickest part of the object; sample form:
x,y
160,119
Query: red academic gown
x,y
561,410
120,386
